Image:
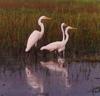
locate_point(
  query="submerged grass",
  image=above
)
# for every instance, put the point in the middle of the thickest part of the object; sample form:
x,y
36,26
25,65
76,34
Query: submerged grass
x,y
16,24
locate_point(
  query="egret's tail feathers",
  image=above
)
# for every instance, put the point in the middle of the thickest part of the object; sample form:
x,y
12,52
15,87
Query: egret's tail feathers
x,y
41,62
42,48
27,49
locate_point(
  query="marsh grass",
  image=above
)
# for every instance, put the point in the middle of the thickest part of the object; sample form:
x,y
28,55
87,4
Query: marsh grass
x,y
16,24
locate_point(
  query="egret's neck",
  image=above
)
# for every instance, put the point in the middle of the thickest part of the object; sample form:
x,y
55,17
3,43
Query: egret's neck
x,y
67,36
41,25
62,29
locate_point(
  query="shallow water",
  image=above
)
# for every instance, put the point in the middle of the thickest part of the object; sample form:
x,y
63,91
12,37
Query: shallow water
x,y
50,78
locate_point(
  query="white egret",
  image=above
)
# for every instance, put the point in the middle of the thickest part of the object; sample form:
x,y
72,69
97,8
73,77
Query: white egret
x,y
36,35
58,45
50,46
63,31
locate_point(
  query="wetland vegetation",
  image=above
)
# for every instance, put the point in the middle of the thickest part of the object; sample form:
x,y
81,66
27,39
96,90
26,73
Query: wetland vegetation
x,y
19,18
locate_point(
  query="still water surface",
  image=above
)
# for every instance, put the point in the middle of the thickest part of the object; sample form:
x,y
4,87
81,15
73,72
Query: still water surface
x,y
51,78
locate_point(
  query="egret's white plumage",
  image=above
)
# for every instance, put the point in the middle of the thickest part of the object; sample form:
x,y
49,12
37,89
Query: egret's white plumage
x,y
55,45
36,35
63,31
58,45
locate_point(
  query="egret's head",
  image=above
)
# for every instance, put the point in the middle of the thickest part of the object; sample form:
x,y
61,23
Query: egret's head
x,y
44,17
69,27
63,24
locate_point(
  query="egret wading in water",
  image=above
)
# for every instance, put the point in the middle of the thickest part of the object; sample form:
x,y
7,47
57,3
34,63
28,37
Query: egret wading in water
x,y
49,46
59,46
36,35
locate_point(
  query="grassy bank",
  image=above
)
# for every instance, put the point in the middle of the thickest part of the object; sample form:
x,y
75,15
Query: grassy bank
x,y
17,22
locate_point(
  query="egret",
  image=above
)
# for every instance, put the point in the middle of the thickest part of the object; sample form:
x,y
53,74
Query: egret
x,y
58,46
36,35
50,46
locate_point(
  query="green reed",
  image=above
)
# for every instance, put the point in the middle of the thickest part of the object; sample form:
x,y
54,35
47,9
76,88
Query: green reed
x,y
17,24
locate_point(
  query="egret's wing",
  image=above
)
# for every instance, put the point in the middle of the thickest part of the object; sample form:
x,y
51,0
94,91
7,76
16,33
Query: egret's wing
x,y
52,46
33,38
61,49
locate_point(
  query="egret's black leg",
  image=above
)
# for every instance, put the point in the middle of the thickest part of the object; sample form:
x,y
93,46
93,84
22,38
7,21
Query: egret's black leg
x,y
35,54
44,54
63,54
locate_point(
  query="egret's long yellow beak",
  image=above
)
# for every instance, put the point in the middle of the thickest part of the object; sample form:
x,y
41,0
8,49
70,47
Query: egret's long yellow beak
x,y
48,18
74,28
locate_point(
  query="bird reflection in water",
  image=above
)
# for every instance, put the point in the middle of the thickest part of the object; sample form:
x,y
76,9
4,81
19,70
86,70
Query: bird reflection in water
x,y
34,81
59,68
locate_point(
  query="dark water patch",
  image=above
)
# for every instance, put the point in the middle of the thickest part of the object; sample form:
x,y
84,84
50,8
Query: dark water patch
x,y
50,78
